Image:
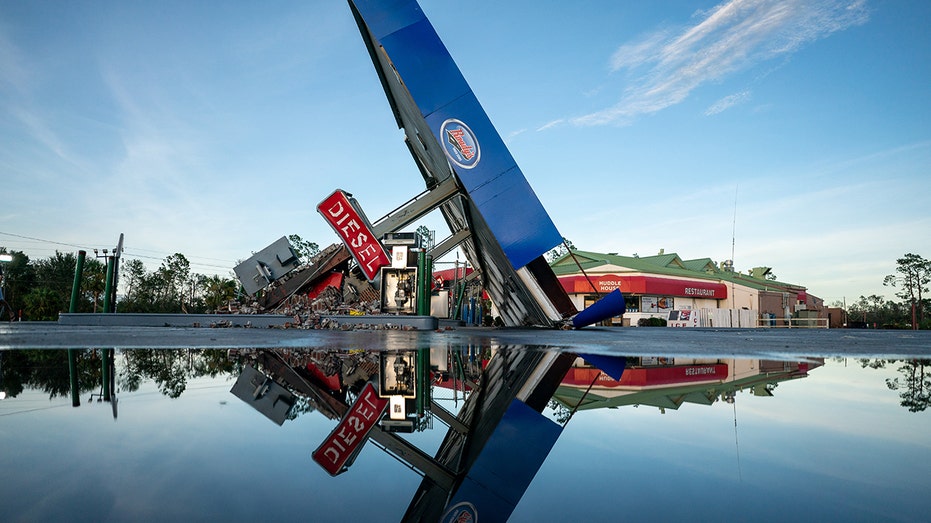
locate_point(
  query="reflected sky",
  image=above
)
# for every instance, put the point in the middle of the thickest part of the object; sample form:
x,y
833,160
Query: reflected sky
x,y
834,442
835,445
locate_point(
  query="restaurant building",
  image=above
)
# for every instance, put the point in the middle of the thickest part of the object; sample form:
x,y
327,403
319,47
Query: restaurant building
x,y
655,285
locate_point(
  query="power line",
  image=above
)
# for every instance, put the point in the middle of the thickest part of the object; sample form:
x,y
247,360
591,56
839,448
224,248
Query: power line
x,y
165,252
44,241
131,253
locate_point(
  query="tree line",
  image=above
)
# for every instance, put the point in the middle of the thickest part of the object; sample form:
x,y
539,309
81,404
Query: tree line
x,y
38,290
911,279
47,370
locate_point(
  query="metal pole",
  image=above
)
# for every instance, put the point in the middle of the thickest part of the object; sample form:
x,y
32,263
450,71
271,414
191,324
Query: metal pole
x,y
421,399
454,308
421,264
427,284
460,292
73,353
73,374
109,286
76,287
452,368
116,273
106,356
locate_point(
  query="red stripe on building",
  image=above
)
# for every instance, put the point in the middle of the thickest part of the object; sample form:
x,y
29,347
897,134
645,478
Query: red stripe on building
x,y
649,285
646,376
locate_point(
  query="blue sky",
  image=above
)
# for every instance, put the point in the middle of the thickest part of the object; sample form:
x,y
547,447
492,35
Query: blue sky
x,y
212,129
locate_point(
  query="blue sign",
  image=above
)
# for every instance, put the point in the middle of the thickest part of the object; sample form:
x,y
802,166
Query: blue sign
x,y
476,152
507,464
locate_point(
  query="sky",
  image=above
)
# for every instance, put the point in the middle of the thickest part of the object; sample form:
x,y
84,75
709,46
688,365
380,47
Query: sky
x,y
786,134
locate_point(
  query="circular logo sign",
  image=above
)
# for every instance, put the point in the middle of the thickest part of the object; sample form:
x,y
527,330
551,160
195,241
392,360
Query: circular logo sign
x,y
460,144
462,512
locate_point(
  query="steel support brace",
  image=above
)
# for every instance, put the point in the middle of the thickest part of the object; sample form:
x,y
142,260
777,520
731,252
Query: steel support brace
x,y
416,208
449,418
445,246
414,457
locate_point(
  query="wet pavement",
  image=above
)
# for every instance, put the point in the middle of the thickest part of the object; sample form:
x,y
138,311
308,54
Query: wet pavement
x,y
776,343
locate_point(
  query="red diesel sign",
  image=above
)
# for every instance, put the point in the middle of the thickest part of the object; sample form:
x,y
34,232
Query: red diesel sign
x,y
335,453
355,232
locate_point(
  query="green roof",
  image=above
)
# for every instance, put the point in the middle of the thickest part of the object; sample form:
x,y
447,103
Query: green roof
x,y
666,264
701,265
669,397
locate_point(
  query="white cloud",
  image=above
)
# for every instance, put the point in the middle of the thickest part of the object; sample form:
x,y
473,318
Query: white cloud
x,y
731,37
514,134
550,125
36,127
727,102
13,71
638,53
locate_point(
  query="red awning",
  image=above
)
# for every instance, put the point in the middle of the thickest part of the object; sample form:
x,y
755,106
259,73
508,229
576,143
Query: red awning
x,y
650,285
446,277
450,274
647,376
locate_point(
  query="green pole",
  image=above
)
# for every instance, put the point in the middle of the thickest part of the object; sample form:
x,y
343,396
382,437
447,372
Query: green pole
x,y
109,286
73,373
73,353
423,381
421,259
106,356
76,287
427,284
459,301
107,308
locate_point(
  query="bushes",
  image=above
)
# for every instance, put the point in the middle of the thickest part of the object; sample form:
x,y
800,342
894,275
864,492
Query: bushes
x,y
651,322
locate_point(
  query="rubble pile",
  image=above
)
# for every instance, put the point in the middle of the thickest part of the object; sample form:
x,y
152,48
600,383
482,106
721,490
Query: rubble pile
x,y
313,313
352,367
324,287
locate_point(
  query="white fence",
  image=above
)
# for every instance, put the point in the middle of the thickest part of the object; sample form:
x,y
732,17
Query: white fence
x,y
734,318
794,323
730,318
748,319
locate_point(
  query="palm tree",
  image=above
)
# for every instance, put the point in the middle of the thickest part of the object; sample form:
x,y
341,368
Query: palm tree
x,y
218,291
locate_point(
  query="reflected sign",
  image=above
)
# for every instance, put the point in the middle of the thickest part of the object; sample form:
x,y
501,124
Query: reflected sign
x,y
336,453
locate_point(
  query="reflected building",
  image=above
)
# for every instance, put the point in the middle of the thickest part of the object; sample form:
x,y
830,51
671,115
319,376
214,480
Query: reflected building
x,y
668,383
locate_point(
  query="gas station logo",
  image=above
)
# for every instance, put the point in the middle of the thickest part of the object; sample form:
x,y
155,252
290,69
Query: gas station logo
x,y
460,144
463,512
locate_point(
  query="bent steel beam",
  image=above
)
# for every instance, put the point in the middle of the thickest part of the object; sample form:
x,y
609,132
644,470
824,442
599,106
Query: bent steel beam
x,y
450,136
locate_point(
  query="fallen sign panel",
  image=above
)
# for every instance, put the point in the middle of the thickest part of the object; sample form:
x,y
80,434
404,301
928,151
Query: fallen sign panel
x,y
336,453
351,225
263,394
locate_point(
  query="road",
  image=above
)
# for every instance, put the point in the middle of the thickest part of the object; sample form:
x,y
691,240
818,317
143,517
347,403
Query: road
x,y
639,341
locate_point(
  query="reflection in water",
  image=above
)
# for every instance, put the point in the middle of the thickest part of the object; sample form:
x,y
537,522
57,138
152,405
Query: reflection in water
x,y
913,384
669,383
476,423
